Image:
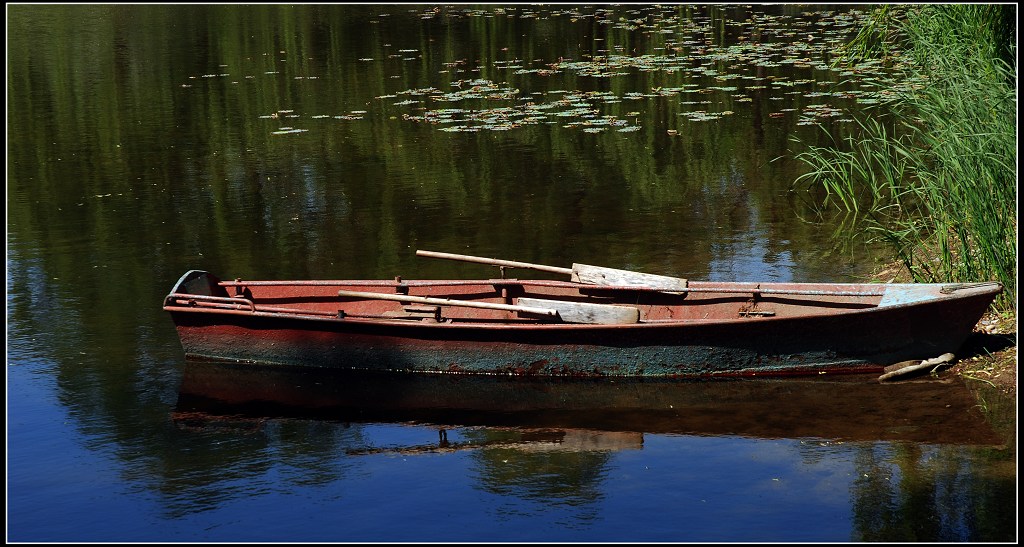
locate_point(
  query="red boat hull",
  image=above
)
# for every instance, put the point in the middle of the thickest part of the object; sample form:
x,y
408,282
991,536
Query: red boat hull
x,y
855,340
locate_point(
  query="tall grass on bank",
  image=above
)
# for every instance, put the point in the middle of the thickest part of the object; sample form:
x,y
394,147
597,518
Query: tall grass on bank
x,y
934,176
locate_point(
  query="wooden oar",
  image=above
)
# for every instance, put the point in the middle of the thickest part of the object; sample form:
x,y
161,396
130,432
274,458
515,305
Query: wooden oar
x,y
580,273
447,302
906,367
570,312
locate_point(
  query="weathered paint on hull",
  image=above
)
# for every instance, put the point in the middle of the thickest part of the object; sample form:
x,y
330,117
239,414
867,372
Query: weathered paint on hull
x,y
849,343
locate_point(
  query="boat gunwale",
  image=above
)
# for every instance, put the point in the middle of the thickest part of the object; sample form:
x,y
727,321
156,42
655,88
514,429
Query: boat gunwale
x,y
723,287
398,322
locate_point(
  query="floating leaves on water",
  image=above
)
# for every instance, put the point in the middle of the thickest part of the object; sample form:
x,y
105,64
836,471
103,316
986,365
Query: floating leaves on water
x,y
515,112
689,57
288,130
814,112
701,116
462,128
281,114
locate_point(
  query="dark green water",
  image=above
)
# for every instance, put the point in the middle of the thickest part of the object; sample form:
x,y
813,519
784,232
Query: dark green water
x,y
332,142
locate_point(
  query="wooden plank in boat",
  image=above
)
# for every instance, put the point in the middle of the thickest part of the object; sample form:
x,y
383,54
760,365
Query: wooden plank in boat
x,y
570,312
585,312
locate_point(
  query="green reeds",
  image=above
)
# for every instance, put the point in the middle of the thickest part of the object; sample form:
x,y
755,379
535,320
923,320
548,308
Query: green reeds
x,y
933,173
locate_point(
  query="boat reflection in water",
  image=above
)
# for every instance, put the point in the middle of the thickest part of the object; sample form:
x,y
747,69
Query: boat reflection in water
x,y
590,414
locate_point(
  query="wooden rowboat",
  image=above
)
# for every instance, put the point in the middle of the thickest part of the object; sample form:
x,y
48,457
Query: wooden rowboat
x,y
573,328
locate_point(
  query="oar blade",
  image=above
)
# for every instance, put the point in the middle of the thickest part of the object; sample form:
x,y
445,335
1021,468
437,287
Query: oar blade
x,y
598,275
585,312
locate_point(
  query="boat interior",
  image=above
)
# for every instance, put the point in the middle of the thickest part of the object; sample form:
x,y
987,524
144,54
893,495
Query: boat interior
x,y
512,301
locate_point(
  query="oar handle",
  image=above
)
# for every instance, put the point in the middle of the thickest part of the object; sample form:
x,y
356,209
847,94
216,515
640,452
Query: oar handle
x,y
496,262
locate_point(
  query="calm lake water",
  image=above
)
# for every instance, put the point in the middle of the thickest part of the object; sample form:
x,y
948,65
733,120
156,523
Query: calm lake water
x,y
332,142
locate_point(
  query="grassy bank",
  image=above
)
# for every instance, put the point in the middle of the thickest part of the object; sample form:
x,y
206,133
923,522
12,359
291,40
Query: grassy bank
x,y
932,173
